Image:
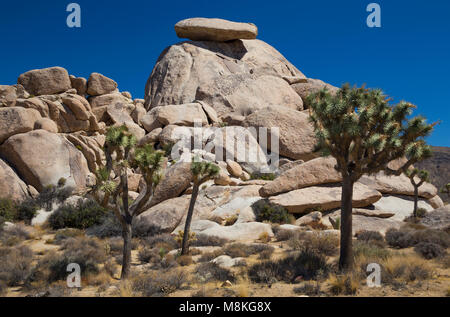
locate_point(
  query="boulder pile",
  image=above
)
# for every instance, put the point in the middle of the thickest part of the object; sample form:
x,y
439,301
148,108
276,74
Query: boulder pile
x,y
216,88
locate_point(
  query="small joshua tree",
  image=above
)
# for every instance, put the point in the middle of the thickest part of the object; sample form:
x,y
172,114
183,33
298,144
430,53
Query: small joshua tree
x,y
202,172
112,193
360,128
424,176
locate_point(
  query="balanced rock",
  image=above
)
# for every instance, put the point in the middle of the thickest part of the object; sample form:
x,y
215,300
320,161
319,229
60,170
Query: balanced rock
x,y
203,29
315,172
45,81
100,85
42,158
325,198
296,134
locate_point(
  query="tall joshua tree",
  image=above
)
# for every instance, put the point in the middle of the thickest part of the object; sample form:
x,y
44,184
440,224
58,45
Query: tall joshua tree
x,y
423,176
364,132
112,193
202,172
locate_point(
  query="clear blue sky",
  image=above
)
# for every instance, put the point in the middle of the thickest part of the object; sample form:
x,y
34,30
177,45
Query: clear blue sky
x,y
408,57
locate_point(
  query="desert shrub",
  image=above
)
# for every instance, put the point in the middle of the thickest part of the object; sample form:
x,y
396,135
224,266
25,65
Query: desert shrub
x,y
429,250
396,270
212,272
154,284
266,211
67,233
343,284
308,264
421,212
27,210
266,254
8,209
241,250
308,288
51,194
109,226
15,234
185,260
326,244
83,215
165,241
146,254
110,267
284,234
206,241
405,237
87,253
15,265
369,250
366,235
209,256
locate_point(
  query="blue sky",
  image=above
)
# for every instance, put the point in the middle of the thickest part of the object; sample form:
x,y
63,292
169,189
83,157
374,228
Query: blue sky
x,y
408,57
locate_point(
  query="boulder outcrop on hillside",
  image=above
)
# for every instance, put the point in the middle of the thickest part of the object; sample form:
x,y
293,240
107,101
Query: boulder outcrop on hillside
x,y
42,158
45,81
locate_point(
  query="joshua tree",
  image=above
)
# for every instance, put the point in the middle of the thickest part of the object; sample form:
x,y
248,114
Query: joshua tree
x,y
360,128
424,176
202,172
110,192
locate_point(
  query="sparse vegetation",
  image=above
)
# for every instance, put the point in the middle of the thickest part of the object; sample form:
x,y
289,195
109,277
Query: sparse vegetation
x,y
266,211
83,215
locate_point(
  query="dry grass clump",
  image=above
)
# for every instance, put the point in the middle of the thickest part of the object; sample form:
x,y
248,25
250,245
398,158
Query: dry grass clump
x,y
185,260
15,265
203,240
209,271
241,250
430,250
309,289
407,237
209,256
326,244
307,265
343,284
155,284
15,235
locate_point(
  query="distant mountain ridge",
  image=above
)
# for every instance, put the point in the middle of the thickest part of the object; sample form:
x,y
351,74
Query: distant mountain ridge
x,y
439,168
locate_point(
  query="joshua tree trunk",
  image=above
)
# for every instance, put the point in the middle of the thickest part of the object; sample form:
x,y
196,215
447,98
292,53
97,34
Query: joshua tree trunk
x,y
346,253
185,246
127,236
416,198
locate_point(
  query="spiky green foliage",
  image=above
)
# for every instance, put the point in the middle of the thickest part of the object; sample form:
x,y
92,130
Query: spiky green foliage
x,y
111,189
364,132
203,171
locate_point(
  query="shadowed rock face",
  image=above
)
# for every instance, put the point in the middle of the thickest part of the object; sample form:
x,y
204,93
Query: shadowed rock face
x,y
203,29
11,186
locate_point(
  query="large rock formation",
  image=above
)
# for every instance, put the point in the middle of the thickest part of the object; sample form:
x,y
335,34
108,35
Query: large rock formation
x,y
42,158
236,76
